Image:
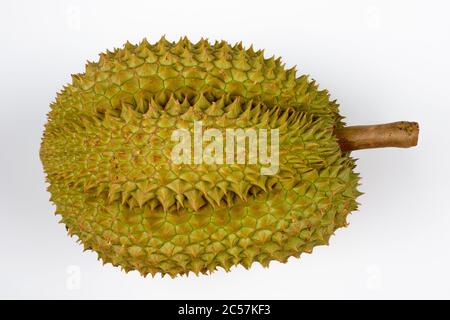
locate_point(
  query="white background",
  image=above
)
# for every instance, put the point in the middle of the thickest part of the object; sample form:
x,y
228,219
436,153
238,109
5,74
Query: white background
x,y
383,60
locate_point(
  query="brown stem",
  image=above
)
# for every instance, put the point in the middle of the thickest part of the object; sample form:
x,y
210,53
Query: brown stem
x,y
400,134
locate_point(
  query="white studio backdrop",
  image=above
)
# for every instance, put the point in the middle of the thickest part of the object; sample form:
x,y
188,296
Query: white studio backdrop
x,y
382,60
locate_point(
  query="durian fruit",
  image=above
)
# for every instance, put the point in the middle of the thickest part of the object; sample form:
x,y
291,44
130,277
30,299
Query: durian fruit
x,y
107,148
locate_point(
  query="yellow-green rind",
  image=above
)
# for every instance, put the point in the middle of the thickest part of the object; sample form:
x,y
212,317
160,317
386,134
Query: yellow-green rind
x,y
106,154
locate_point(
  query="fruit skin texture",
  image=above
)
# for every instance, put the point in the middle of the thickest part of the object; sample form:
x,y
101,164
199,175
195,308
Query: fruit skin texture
x,y
106,152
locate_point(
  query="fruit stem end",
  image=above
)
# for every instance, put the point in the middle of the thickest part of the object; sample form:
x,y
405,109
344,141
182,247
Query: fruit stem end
x,y
401,134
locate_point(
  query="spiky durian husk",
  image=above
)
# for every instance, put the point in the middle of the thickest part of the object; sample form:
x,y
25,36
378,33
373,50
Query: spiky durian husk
x,y
106,151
